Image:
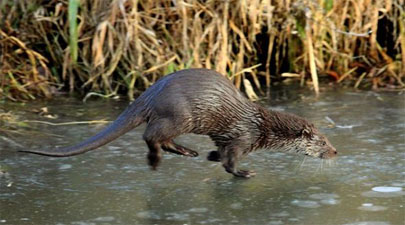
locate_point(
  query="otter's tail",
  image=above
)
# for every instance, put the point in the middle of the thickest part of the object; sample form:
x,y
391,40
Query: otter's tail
x,y
125,122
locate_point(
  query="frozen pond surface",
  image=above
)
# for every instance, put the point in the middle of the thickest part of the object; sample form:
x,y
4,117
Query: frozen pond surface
x,y
113,185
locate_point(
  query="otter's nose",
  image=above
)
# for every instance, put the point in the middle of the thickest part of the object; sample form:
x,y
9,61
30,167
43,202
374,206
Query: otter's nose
x,y
329,154
333,153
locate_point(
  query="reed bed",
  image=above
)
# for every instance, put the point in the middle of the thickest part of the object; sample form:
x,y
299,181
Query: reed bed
x,y
107,48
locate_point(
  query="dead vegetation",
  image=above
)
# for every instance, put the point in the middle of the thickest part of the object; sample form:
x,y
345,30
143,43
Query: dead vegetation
x,y
106,47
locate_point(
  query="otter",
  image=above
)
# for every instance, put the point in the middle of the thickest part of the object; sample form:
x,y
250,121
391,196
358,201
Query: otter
x,y
202,101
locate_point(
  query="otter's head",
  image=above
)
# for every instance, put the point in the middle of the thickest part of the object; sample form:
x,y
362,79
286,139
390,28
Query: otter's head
x,y
311,142
291,133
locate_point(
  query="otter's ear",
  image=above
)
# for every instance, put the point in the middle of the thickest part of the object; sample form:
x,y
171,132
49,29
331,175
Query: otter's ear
x,y
306,132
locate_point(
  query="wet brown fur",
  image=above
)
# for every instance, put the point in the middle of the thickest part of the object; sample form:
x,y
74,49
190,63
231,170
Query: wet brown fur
x,y
201,101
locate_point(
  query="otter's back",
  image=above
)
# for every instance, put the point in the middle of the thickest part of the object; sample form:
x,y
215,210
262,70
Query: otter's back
x,y
203,96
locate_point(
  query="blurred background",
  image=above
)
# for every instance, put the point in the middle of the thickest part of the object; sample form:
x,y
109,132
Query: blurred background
x,y
111,48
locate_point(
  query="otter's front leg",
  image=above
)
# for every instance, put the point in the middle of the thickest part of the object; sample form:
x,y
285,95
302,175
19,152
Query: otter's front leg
x,y
229,157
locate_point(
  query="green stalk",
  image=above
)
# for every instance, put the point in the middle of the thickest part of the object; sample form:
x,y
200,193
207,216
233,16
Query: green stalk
x,y
73,28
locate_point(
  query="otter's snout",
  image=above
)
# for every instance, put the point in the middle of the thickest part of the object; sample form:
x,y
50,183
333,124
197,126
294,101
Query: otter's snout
x,y
331,153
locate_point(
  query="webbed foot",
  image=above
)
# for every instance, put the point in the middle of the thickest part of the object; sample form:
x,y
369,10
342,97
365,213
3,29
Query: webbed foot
x,y
241,173
244,173
179,150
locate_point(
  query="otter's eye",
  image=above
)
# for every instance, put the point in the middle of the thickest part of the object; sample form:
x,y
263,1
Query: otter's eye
x,y
323,143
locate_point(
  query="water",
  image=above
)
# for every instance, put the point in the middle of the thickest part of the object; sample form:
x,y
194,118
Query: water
x,y
113,185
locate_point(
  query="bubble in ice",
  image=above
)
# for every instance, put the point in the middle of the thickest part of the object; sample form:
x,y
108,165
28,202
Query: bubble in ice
x,y
384,192
386,189
198,210
375,194
281,214
372,208
147,215
104,219
177,216
236,205
325,198
368,223
65,167
305,203
330,201
321,196
276,222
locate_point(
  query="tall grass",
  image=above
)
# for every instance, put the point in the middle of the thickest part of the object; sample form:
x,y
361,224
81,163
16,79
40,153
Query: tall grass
x,y
106,47
73,29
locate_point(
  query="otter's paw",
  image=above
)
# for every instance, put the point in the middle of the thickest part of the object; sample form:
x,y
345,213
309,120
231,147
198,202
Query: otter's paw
x,y
188,152
179,150
154,160
244,173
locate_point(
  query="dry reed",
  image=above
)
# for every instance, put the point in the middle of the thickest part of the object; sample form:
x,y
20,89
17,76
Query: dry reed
x,y
113,47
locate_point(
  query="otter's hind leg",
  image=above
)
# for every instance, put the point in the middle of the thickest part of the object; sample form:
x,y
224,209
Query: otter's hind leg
x,y
178,149
154,155
155,134
159,135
